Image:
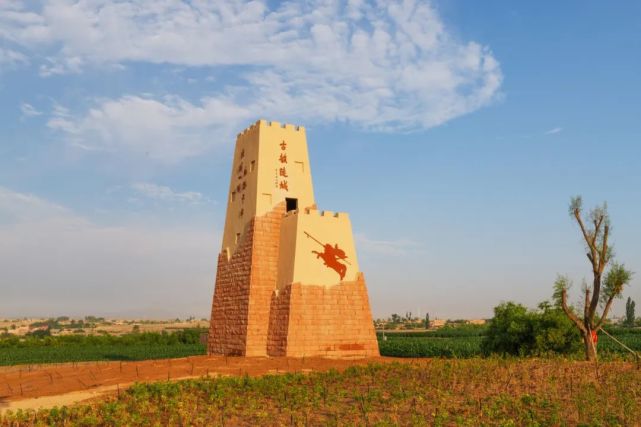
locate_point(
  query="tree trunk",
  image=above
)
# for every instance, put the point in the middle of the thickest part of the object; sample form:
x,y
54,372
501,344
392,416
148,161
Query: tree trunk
x,y
590,348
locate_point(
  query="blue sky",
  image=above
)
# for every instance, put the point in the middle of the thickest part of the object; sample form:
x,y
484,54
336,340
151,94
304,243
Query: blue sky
x,y
453,132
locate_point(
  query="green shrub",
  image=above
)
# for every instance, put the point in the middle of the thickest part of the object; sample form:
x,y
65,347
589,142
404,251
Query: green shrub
x,y
515,330
554,332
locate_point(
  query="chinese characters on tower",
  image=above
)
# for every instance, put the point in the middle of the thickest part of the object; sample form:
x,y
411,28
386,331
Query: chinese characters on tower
x,y
282,169
242,184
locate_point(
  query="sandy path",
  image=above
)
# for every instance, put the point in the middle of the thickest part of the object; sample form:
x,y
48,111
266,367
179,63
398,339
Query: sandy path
x,y
44,386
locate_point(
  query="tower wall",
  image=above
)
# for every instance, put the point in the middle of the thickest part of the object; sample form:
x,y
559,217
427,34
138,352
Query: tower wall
x,y
328,321
264,173
244,286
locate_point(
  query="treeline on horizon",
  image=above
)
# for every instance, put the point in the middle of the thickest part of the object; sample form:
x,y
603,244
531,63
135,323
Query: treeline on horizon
x,y
42,339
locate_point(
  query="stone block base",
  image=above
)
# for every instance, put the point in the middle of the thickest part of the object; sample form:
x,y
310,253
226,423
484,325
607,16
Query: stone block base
x,y
327,321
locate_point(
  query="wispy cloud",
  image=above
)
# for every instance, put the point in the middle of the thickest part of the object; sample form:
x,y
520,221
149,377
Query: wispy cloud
x,y
29,110
11,58
166,194
386,65
554,131
166,130
23,207
396,247
64,65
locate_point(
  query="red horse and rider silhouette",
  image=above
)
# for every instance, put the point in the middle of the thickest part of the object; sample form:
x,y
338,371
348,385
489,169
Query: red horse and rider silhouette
x,y
331,256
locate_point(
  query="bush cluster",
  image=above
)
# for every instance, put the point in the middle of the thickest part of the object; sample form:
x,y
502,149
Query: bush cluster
x,y
515,330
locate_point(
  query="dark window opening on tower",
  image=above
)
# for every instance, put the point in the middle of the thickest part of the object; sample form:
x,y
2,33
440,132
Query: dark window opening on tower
x,y
292,204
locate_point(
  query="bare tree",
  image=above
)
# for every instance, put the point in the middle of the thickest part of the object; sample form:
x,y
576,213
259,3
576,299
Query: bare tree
x,y
595,228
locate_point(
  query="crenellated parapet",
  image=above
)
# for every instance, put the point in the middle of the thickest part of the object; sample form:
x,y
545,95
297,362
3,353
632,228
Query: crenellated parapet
x,y
253,128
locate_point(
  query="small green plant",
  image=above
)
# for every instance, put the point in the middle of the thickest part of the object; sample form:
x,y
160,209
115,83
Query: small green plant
x,y
438,392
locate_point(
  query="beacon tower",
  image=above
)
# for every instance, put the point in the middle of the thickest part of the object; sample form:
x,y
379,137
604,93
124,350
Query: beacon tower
x,y
288,281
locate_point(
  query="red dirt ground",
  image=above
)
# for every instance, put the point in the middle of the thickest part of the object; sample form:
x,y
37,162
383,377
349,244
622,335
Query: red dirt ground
x,y
28,383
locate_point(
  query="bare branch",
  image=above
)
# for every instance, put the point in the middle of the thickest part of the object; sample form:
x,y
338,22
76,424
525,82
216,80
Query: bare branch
x,y
568,311
586,304
603,257
590,258
596,292
596,286
597,226
606,311
577,216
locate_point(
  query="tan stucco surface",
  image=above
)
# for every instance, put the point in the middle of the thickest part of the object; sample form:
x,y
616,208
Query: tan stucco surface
x,y
306,267
270,164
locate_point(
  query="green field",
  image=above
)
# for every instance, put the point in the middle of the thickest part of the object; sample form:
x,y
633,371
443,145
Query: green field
x,y
438,392
79,353
142,346
460,342
460,347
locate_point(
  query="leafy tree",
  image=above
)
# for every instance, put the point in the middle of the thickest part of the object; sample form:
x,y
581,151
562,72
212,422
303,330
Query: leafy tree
x,y
629,312
554,332
427,320
606,286
510,330
39,333
518,331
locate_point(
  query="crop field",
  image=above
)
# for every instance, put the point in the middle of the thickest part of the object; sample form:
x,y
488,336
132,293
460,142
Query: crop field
x,y
141,346
455,347
82,353
461,345
427,392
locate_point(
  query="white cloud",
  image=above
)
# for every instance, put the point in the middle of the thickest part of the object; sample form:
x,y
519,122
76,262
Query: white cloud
x,y
21,207
554,131
166,194
64,65
29,110
54,261
388,65
166,130
10,58
396,247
